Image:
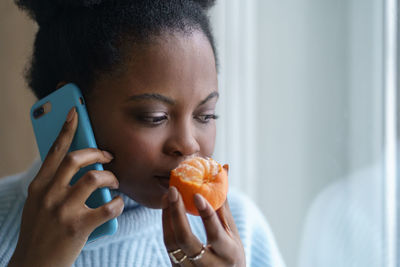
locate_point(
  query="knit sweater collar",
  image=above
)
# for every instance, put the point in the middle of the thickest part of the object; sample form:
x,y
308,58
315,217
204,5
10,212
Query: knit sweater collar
x,y
135,222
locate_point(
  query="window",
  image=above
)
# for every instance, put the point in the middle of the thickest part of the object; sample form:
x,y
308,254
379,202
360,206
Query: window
x,y
305,123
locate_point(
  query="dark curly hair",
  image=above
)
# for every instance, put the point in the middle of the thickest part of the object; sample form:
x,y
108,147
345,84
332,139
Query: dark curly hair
x,y
79,39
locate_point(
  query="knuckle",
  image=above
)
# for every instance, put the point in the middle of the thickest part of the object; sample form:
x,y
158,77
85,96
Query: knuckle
x,y
47,202
73,228
70,224
71,159
62,215
109,211
55,148
209,214
92,178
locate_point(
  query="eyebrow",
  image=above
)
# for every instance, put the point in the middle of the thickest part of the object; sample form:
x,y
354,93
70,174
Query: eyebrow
x,y
152,96
210,96
166,99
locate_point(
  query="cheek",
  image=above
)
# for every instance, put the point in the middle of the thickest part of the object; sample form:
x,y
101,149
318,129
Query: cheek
x,y
122,138
134,148
139,149
206,139
136,157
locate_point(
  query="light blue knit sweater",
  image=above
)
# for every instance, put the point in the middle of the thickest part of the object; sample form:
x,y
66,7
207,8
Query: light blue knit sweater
x,y
139,239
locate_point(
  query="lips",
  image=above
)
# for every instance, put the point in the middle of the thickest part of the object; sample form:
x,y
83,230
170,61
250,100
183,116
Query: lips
x,y
162,176
163,179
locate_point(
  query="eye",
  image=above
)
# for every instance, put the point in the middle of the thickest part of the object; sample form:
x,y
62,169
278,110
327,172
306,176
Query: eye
x,y
153,119
205,118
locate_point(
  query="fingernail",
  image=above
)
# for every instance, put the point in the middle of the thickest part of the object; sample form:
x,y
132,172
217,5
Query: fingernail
x,y
172,194
200,202
226,167
71,114
115,185
107,154
122,205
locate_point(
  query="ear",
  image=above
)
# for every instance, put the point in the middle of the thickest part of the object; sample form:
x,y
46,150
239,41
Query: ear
x,y
60,84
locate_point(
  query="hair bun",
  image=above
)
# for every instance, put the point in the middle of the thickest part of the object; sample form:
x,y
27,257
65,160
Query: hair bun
x,y
44,11
205,4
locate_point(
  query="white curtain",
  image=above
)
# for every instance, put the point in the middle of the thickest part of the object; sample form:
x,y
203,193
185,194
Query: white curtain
x,y
234,24
301,101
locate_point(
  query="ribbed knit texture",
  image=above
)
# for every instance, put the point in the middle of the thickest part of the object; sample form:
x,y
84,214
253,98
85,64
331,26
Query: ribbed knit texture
x,y
139,239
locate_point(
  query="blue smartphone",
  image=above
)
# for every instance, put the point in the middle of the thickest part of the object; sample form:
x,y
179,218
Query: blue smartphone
x,y
48,116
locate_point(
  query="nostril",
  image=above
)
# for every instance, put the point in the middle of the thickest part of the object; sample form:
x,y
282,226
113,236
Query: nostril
x,y
181,144
178,153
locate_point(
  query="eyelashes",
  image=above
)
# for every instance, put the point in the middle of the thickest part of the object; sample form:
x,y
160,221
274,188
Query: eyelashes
x,y
206,118
157,120
153,120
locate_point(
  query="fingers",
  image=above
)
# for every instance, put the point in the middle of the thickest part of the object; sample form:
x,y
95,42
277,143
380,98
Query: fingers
x,y
90,182
215,231
75,160
222,247
177,232
225,214
226,218
217,234
60,146
110,210
168,232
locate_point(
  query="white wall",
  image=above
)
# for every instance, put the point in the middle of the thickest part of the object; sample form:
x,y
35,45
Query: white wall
x,y
300,100
303,74
366,81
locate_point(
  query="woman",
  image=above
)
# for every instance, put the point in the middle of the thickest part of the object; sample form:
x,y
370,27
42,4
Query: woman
x,y
147,70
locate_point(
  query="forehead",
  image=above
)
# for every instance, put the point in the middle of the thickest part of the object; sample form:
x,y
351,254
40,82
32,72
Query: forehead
x,y
174,64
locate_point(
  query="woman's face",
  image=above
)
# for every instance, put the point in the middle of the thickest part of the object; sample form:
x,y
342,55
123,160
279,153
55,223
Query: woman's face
x,y
157,112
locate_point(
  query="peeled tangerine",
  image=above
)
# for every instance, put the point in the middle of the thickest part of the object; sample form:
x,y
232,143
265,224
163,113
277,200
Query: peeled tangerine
x,y
204,176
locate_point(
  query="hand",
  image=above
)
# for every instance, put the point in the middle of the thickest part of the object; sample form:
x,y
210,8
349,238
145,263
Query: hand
x,y
223,248
56,222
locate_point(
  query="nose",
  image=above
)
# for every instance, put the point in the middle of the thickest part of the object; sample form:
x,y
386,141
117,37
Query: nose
x,y
182,141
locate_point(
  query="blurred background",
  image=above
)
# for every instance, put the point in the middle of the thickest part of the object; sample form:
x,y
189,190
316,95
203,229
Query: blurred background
x,y
302,122
18,147
301,118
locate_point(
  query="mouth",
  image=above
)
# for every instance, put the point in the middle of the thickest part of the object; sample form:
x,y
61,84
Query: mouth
x,y
163,180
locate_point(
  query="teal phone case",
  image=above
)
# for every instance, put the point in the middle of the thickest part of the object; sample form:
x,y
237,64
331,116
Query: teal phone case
x,y
47,128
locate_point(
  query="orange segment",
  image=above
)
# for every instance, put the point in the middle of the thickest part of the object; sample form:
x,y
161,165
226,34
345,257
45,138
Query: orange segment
x,y
204,176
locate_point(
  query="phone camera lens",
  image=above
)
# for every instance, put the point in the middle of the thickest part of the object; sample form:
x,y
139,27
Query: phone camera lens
x,y
38,112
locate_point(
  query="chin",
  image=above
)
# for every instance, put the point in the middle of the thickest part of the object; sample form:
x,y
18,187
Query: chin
x,y
151,200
